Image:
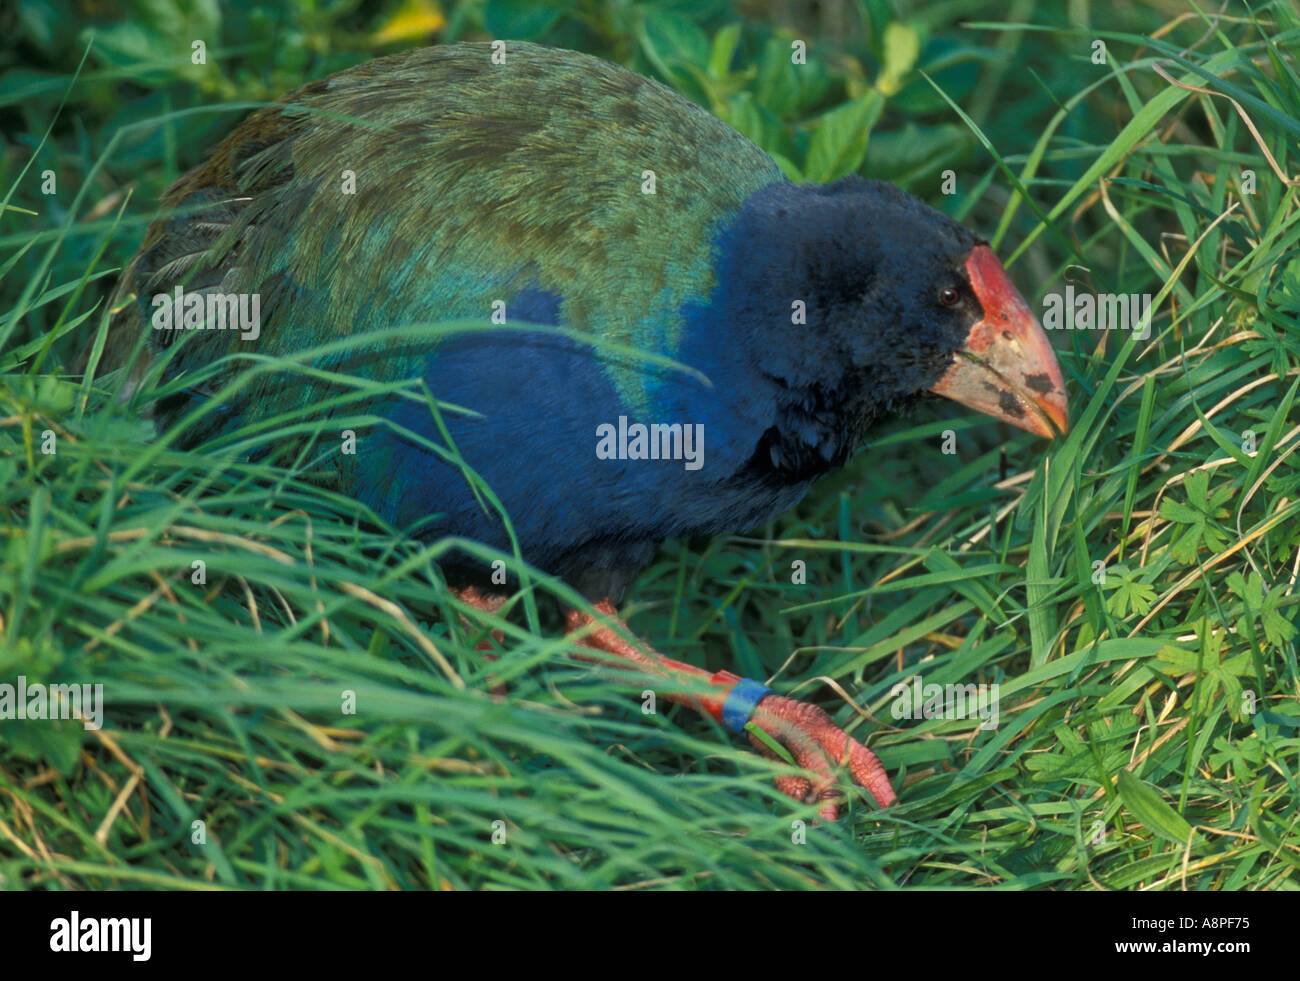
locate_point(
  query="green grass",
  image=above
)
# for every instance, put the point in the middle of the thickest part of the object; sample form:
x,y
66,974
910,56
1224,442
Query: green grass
x,y
1149,732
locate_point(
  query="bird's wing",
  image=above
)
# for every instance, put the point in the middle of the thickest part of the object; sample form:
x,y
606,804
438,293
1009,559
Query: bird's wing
x,y
424,187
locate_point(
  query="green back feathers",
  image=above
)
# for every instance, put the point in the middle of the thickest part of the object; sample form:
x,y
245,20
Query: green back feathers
x,y
473,181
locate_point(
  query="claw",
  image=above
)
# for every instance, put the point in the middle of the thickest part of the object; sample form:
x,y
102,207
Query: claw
x,y
810,735
815,741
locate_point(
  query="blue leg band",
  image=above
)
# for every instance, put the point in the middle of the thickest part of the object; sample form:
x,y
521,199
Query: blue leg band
x,y
740,703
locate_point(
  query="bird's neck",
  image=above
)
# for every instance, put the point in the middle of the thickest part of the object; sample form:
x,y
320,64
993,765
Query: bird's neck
x,y
770,315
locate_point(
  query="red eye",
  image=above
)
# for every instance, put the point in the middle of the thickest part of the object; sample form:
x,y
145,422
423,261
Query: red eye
x,y
948,296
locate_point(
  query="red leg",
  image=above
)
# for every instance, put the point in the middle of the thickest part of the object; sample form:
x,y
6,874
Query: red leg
x,y
487,603
805,730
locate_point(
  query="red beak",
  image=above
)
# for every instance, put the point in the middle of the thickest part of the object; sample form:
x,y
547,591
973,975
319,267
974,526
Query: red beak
x,y
1006,368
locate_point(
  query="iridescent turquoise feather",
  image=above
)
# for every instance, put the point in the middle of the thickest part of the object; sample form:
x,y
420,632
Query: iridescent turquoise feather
x,y
474,181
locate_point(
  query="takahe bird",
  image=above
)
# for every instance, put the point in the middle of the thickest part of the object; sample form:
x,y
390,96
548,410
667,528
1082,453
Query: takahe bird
x,y
553,188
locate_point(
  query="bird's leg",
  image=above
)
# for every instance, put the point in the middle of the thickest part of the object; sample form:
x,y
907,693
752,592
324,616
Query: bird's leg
x,y
487,603
805,730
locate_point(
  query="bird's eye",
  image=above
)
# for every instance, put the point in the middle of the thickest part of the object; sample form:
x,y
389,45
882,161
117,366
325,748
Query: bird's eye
x,y
948,296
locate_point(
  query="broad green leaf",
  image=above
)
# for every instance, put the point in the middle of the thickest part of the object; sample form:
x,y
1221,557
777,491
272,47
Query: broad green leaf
x,y
671,40
522,20
1150,809
902,46
839,144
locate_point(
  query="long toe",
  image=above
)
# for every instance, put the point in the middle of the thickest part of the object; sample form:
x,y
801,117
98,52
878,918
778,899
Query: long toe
x,y
816,742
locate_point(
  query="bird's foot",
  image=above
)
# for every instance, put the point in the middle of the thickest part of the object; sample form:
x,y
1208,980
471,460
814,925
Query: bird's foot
x,y
814,741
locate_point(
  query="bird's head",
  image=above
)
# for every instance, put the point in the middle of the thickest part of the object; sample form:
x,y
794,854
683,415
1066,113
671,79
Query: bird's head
x,y
900,300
